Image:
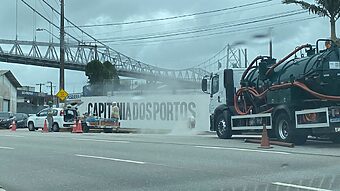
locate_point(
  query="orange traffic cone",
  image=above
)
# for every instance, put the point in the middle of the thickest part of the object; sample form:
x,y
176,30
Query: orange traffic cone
x,y
77,127
265,144
13,126
45,129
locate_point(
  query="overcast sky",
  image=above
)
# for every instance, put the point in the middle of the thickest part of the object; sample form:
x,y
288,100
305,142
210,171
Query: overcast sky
x,y
175,51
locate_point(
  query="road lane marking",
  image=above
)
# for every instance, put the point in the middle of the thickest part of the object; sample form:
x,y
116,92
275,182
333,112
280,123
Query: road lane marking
x,y
240,149
299,186
9,148
101,140
111,159
19,136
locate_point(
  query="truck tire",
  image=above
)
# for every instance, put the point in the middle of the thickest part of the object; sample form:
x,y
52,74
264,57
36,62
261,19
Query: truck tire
x,y
286,132
55,127
31,126
223,128
284,128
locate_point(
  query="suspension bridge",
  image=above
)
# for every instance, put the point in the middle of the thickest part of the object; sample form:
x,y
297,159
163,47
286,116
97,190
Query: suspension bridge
x,y
45,54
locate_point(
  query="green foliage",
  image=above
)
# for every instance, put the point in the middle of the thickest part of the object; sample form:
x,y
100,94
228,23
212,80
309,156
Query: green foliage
x,y
94,71
107,70
98,72
329,8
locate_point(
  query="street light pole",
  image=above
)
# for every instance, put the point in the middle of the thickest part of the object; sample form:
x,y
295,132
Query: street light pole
x,y
62,46
40,84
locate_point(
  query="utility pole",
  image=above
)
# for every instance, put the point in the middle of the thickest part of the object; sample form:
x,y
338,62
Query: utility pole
x,y
271,48
62,46
40,84
270,42
51,85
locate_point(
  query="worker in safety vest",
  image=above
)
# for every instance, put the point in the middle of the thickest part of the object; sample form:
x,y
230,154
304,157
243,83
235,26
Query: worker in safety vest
x,y
115,112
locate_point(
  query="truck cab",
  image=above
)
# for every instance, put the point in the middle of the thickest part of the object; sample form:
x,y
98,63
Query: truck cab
x,y
221,86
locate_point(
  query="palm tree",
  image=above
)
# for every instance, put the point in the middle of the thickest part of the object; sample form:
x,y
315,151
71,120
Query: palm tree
x,y
329,8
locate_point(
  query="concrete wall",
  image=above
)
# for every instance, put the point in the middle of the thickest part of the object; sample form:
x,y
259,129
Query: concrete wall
x,y
7,92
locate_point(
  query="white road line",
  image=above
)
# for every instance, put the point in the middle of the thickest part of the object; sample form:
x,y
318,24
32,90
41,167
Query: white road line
x,y
111,159
19,136
9,148
299,186
100,140
240,149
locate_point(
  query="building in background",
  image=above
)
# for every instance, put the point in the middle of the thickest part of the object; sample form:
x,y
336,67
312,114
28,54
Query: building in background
x,y
30,101
8,91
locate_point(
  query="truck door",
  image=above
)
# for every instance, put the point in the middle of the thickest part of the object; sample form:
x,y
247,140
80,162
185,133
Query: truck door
x,y
215,97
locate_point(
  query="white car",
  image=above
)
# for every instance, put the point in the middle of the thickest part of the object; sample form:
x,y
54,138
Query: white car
x,y
61,118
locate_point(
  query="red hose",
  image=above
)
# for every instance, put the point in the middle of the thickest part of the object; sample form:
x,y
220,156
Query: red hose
x,y
254,92
316,94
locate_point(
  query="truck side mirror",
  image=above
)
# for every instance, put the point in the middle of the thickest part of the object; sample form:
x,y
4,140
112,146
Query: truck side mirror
x,y
204,85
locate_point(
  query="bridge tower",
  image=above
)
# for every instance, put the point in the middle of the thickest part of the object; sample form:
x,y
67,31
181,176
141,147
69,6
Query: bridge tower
x,y
235,57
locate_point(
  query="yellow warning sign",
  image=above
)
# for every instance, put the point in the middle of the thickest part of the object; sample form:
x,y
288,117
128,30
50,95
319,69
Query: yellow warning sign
x,y
62,95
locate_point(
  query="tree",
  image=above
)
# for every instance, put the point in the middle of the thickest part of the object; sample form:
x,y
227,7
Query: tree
x,y
94,71
110,73
103,77
329,8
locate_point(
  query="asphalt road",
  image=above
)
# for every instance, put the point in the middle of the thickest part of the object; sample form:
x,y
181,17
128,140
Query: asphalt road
x,y
34,161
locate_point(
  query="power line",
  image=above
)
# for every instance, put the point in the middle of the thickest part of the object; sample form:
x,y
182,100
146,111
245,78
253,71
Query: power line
x,y
175,17
248,29
206,29
94,39
199,28
47,19
184,20
153,25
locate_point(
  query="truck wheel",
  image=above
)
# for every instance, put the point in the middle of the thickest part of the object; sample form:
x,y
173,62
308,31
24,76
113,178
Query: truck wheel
x,y
335,138
284,128
223,128
55,127
286,132
31,126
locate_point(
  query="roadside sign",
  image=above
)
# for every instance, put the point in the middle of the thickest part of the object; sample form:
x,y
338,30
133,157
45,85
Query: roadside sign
x,y
62,94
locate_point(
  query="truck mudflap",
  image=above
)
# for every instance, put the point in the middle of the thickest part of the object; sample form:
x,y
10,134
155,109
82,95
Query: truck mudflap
x,y
321,120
